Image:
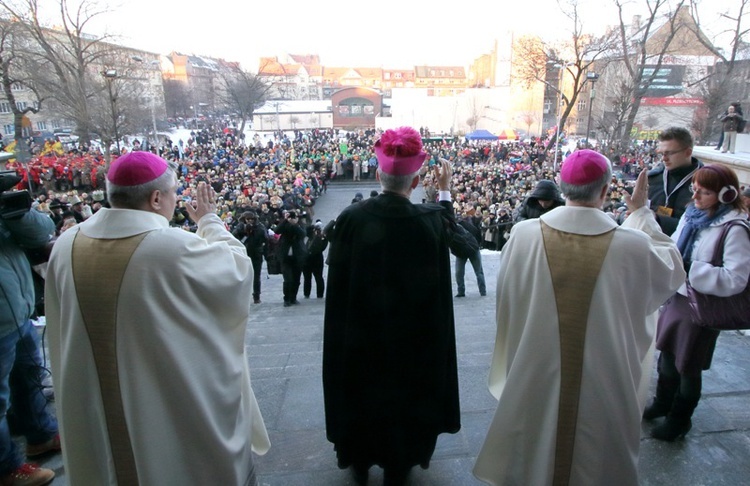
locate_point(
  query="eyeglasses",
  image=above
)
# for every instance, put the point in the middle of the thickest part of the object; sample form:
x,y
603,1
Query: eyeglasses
x,y
669,153
700,192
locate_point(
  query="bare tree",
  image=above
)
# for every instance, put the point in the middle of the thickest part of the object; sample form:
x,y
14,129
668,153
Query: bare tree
x,y
66,62
575,58
642,51
618,96
528,118
723,84
12,74
176,98
243,93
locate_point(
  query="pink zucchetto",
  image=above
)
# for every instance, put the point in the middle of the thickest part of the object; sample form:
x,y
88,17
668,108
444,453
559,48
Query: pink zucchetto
x,y
399,151
136,168
583,167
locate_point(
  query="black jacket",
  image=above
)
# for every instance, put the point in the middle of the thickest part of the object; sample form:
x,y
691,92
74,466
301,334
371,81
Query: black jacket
x,y
253,237
678,199
292,247
471,228
531,208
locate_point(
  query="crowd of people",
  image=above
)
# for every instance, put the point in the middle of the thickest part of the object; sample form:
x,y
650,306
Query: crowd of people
x,y
133,303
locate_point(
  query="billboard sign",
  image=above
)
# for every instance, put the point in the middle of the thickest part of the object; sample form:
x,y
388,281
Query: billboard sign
x,y
668,80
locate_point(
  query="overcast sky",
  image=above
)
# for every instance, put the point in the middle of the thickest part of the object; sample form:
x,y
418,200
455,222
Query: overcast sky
x,y
381,33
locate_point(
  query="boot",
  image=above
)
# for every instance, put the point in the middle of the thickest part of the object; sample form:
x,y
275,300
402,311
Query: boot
x,y
395,476
665,391
678,421
360,474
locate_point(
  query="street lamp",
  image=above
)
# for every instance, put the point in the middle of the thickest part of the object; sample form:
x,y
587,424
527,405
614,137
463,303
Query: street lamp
x,y
591,77
109,76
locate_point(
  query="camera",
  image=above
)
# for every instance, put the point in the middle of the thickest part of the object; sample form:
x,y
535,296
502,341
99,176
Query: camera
x,y
13,204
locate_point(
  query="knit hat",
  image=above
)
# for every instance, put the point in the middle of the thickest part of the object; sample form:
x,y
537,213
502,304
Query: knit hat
x,y
584,167
136,168
399,151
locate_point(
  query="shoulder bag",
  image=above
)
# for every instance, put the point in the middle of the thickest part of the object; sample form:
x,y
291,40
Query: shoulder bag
x,y
721,313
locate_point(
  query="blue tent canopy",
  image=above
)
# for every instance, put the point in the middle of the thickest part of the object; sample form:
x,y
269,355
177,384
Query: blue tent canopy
x,y
480,135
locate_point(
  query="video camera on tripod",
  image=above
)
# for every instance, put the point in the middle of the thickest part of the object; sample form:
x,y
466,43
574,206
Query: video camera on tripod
x,y
13,204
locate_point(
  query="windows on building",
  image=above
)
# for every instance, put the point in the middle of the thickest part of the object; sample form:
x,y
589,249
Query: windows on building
x,y
21,105
581,105
40,125
9,129
5,107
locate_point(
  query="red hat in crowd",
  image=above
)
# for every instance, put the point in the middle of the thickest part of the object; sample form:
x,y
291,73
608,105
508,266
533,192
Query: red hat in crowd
x,y
583,167
136,168
399,151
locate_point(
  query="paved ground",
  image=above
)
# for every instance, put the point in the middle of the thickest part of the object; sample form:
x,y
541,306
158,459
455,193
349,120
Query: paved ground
x,y
284,348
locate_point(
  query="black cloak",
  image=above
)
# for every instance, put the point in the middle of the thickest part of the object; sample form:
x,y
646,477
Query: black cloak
x,y
390,378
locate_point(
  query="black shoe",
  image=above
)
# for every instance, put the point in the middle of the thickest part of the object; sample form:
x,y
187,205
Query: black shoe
x,y
395,476
483,294
287,304
460,295
294,302
671,430
307,296
256,300
360,474
656,410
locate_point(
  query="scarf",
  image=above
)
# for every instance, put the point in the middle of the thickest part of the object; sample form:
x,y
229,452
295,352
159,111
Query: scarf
x,y
696,220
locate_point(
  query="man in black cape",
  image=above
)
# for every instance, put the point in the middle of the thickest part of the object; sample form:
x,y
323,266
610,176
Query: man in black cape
x,y
390,378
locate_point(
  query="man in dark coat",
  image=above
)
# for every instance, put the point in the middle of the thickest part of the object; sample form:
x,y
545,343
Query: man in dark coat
x,y
669,184
292,253
317,242
389,370
475,259
254,236
545,197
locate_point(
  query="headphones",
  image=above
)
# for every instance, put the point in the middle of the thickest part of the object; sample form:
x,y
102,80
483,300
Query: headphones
x,y
728,193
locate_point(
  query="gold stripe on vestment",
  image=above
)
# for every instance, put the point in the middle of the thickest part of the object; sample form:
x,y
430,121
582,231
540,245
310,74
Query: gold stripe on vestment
x,y
575,262
98,269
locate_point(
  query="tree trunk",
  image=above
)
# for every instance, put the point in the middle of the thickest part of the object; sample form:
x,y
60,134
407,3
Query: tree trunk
x,y
625,136
18,125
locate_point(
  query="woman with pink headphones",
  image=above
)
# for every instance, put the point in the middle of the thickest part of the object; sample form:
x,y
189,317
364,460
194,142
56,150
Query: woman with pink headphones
x,y
686,348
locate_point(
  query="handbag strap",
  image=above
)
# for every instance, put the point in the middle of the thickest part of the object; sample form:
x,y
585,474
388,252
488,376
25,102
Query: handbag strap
x,y
718,258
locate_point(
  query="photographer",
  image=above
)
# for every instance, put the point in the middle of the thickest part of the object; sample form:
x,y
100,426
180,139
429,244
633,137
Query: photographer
x,y
292,253
20,363
317,242
254,236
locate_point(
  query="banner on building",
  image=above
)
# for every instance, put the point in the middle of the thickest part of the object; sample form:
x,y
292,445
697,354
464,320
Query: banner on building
x,y
667,81
672,101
